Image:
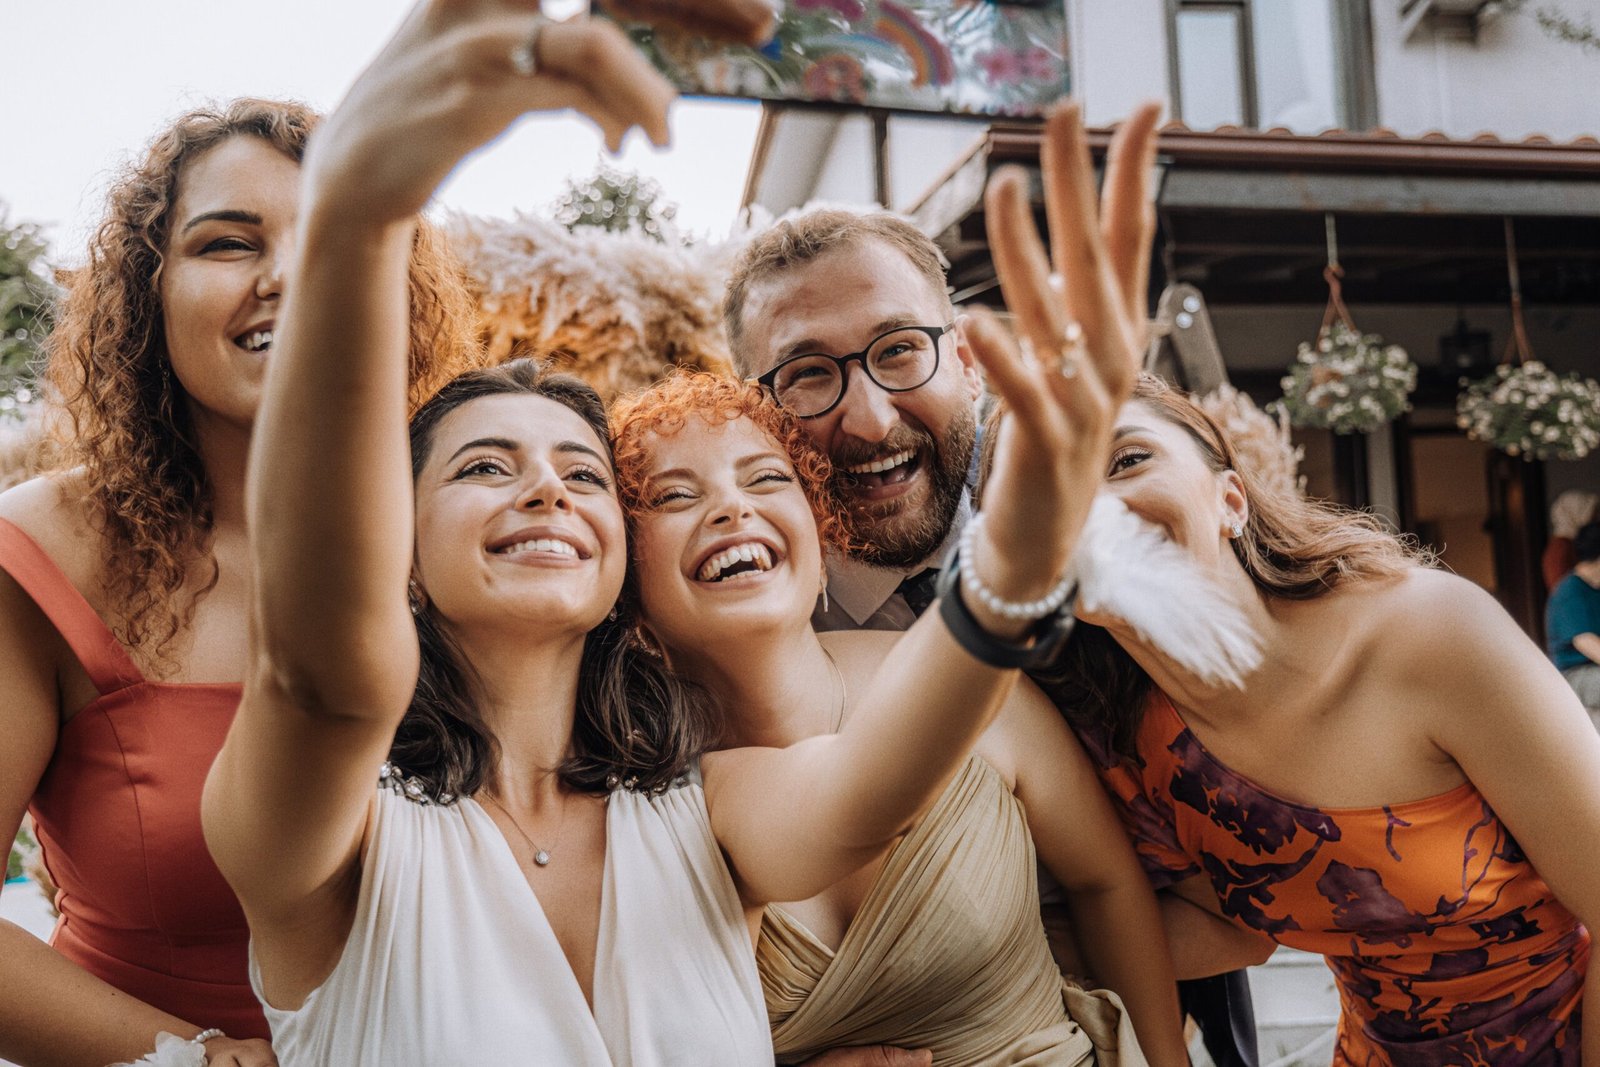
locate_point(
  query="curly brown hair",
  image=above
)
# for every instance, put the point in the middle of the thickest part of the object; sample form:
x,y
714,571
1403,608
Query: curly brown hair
x,y
666,406
108,370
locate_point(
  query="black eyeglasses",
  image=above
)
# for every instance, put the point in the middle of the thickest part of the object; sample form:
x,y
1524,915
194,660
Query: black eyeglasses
x,y
897,362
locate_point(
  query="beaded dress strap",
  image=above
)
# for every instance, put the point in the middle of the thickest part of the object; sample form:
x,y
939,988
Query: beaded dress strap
x,y
104,660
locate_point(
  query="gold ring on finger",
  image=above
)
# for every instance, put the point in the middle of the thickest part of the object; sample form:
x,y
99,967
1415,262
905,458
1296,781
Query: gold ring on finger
x,y
525,56
1070,356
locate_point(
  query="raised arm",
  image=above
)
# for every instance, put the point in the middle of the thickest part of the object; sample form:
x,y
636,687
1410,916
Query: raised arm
x,y
1115,919
1518,731
795,821
330,496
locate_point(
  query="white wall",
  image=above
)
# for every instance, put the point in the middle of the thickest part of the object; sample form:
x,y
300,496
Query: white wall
x,y
1119,55
1514,81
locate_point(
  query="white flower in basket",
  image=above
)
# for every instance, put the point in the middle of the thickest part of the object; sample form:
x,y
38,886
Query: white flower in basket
x,y
1348,382
1528,410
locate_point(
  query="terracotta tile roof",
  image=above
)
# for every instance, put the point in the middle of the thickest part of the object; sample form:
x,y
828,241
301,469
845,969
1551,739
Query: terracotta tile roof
x,y
1378,149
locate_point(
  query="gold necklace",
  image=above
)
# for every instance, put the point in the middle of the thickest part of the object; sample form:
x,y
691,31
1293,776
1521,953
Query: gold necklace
x,y
541,856
839,683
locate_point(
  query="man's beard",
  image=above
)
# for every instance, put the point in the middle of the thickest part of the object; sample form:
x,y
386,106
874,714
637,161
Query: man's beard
x,y
897,537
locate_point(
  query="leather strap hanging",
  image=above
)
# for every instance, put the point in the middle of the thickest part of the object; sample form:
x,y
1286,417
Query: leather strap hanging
x,y
1333,274
1517,346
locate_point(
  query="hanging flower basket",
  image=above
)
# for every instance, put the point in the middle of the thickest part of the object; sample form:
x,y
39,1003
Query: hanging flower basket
x,y
1348,382
1528,410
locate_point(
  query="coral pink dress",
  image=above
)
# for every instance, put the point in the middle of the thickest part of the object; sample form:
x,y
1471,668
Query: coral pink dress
x,y
117,813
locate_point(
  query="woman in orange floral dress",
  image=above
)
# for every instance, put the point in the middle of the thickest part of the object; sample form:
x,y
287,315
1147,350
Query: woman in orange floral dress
x,y
1404,786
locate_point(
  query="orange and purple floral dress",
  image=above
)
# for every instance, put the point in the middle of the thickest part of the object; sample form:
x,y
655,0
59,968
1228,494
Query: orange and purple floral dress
x,y
1448,948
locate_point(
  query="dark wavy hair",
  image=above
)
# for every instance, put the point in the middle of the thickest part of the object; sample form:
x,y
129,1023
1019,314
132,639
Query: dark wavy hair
x,y
1292,548
636,723
107,369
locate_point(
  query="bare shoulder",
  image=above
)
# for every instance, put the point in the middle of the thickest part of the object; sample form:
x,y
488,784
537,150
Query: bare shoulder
x,y
1449,646
1428,606
51,509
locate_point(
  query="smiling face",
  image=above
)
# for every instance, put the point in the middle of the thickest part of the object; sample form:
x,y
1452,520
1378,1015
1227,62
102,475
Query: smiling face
x,y
518,519
901,458
1159,471
222,273
724,538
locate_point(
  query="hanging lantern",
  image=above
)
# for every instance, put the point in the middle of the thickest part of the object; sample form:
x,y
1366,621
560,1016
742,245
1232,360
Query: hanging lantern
x,y
1524,408
1346,381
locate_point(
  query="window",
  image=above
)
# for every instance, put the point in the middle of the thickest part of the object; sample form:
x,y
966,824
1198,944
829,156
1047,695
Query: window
x,y
1302,64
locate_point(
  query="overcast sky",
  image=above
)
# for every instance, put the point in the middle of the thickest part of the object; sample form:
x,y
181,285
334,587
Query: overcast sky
x,y
86,82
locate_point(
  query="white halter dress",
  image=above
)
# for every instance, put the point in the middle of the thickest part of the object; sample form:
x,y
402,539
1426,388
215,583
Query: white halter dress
x,y
451,961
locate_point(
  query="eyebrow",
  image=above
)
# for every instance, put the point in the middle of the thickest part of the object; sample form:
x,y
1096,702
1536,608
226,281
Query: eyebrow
x,y
1123,431
225,215
506,444
747,461
812,346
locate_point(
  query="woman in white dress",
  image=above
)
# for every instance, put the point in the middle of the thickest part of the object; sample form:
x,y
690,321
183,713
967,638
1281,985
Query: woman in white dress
x,y
569,894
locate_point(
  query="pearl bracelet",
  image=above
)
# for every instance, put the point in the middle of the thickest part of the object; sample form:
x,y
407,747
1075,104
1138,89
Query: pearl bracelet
x,y
1017,611
206,1035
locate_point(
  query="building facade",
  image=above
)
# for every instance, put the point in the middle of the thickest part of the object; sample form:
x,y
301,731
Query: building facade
x,y
1417,127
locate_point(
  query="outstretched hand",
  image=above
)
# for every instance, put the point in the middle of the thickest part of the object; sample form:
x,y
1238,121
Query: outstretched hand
x,y
454,76
1079,318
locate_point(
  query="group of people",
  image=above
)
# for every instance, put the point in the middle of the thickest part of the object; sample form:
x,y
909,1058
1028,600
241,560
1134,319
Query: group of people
x,y
376,705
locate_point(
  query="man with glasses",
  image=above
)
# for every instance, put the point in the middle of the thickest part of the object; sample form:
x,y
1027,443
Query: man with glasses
x,y
847,319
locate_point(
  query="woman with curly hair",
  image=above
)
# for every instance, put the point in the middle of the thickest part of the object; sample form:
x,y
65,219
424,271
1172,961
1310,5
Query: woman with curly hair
x,y
124,588
1405,785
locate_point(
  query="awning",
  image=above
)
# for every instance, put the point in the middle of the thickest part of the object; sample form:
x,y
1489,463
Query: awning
x,y
1419,219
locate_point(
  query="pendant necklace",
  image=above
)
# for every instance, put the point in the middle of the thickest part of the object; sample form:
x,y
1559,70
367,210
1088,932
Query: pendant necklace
x,y
541,856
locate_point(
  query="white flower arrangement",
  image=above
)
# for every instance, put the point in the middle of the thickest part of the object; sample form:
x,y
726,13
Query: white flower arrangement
x,y
1529,411
1348,382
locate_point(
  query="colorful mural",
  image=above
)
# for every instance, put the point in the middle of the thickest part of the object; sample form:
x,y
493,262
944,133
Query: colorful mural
x,y
963,56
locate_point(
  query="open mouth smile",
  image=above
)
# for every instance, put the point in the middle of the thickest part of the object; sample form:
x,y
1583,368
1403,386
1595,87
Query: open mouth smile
x,y
256,340
736,562
883,473
538,543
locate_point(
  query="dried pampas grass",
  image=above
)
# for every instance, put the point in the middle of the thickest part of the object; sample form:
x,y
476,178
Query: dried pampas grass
x,y
618,310
1261,440
26,446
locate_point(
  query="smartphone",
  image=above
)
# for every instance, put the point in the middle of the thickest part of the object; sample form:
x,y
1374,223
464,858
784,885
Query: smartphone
x,y
967,57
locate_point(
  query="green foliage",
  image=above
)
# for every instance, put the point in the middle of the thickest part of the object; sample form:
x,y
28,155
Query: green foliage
x,y
1557,23
1348,382
22,850
1530,411
618,201
27,310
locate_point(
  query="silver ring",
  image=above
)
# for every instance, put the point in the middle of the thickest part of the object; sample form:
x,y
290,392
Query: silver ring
x,y
525,56
1067,363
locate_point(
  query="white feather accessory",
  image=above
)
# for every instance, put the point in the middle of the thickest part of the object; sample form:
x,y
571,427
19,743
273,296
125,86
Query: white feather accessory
x,y
1127,568
171,1051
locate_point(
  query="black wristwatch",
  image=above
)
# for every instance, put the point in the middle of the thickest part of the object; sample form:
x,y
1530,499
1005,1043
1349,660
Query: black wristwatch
x,y
1037,647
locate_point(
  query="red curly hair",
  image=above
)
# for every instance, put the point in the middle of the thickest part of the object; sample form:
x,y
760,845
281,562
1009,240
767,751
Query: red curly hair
x,y
665,407
107,369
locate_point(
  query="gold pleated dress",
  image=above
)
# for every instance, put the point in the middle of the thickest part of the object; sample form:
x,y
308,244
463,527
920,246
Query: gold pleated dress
x,y
947,953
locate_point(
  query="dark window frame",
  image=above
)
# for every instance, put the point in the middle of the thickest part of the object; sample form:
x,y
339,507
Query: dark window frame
x,y
1356,93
